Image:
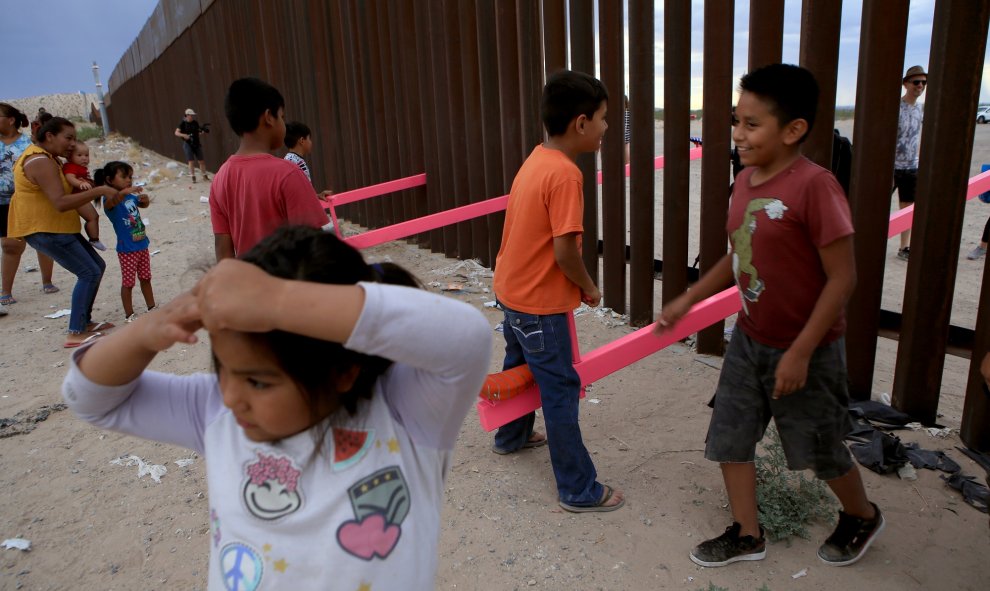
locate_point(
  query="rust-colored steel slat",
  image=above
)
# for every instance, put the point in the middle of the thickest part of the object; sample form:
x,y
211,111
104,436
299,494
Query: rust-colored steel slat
x,y
642,200
959,36
582,43
474,151
610,39
766,32
821,21
491,117
715,128
878,87
676,130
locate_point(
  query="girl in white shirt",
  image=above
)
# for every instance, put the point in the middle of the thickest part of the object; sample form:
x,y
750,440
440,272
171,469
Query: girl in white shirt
x,y
329,424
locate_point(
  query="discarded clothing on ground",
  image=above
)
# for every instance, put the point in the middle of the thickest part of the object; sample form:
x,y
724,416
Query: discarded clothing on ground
x,y
883,453
879,414
862,431
930,459
974,493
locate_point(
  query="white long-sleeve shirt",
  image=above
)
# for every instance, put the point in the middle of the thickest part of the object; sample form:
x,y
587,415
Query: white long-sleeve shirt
x,y
365,509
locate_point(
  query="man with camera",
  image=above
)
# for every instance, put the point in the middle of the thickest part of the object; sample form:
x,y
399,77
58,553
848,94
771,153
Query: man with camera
x,y
189,130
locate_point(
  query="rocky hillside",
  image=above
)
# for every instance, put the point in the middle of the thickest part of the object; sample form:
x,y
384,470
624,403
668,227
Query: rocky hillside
x,y
65,105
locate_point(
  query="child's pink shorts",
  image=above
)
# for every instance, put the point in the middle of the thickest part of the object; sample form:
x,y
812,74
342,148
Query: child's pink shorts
x,y
134,263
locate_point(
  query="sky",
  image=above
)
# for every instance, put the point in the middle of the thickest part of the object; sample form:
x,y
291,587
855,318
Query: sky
x,y
63,62
918,44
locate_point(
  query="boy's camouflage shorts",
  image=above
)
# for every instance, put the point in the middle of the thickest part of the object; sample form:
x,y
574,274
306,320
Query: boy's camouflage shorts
x,y
812,422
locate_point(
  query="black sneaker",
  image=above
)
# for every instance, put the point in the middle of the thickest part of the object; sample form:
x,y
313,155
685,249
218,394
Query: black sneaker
x,y
730,547
904,253
851,538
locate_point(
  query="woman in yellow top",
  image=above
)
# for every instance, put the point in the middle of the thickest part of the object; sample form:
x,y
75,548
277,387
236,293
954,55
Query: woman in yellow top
x,y
43,213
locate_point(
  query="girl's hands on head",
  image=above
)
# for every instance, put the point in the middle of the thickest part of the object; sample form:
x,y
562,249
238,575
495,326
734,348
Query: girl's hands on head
x,y
175,322
235,295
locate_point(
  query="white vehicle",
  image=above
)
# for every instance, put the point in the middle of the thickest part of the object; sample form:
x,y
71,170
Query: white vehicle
x,y
983,115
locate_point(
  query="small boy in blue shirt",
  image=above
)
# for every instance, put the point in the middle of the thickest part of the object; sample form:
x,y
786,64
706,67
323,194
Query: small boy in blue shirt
x,y
792,259
132,239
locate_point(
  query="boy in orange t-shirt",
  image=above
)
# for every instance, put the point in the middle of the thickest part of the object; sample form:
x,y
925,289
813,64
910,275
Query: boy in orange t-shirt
x,y
540,278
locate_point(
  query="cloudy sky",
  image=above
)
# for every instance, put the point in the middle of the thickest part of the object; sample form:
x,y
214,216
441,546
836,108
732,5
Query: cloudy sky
x,y
101,30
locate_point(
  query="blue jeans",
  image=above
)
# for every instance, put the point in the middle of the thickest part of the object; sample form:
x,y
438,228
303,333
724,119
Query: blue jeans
x,y
75,254
544,343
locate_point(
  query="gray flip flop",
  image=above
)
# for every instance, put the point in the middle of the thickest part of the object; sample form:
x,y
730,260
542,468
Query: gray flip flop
x,y
601,507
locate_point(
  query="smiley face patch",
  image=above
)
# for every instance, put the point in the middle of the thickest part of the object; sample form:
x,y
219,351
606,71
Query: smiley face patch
x,y
270,489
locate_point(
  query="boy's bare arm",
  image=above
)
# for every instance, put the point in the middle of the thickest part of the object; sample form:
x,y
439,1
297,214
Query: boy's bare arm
x,y
568,257
712,282
840,270
223,245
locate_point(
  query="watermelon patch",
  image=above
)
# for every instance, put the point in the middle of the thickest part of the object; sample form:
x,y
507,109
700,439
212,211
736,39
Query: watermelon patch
x,y
349,446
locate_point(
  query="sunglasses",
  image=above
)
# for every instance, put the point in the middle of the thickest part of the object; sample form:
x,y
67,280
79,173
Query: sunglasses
x,y
919,82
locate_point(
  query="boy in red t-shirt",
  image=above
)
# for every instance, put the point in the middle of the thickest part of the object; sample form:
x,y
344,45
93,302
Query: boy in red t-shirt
x,y
792,259
540,278
254,192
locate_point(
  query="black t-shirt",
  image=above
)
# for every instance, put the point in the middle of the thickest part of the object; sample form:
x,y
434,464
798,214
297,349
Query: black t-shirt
x,y
192,128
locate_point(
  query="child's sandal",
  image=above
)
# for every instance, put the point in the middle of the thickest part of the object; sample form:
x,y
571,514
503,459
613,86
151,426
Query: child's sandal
x,y
49,288
7,299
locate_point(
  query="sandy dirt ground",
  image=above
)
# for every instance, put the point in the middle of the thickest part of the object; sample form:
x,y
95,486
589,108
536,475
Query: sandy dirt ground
x,y
96,525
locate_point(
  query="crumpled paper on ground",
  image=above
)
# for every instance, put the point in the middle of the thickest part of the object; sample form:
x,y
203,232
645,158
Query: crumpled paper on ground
x,y
17,543
156,471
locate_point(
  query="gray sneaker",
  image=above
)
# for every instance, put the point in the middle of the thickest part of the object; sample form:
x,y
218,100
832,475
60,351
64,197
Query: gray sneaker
x,y
976,253
851,538
730,547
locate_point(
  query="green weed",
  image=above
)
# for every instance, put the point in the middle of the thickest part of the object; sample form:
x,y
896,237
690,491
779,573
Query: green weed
x,y
788,501
88,132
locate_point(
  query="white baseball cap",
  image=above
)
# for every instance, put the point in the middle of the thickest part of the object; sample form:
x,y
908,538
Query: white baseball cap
x,y
190,112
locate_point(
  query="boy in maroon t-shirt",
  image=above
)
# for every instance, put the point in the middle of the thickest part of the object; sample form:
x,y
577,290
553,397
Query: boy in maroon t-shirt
x,y
792,259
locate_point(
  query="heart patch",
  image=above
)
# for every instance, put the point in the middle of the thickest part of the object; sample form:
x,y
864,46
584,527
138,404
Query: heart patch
x,y
369,537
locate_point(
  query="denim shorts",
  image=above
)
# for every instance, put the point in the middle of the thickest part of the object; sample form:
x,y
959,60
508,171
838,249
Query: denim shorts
x,y
192,152
812,422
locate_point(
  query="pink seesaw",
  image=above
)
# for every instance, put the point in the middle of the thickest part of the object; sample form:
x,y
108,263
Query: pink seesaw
x,y
509,395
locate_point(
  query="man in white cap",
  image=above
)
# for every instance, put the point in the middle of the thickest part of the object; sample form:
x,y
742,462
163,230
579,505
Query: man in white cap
x,y
189,130
908,142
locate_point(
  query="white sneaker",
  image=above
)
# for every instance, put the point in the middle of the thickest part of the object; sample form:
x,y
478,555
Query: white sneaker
x,y
3,311
98,245
131,318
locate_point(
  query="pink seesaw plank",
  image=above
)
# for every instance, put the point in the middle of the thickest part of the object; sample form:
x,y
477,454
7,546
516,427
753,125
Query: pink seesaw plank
x,y
402,184
525,402
903,219
427,223
346,197
693,154
616,355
